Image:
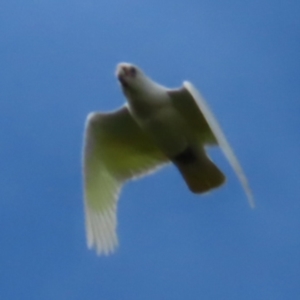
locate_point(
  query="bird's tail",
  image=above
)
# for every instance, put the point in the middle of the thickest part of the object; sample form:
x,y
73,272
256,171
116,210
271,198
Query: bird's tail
x,y
199,172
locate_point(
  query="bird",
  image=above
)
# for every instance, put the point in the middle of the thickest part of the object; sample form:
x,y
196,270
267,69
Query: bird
x,y
155,127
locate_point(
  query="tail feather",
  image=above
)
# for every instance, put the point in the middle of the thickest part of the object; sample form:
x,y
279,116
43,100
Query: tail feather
x,y
199,172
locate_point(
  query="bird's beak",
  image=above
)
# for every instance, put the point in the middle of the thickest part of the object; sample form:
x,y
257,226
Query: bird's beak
x,y
122,73
121,78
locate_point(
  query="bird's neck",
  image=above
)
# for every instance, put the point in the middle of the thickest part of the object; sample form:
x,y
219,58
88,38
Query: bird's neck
x,y
146,99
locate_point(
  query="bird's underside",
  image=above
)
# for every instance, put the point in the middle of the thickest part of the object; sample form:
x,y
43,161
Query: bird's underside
x,y
157,126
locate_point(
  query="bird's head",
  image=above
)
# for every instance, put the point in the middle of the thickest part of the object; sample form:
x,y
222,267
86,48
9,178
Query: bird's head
x,y
135,83
129,75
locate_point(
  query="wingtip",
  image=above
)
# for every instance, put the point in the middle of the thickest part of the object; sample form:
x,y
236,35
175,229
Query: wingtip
x,y
101,231
251,201
102,251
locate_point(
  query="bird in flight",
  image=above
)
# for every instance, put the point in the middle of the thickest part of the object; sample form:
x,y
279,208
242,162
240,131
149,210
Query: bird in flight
x,y
156,126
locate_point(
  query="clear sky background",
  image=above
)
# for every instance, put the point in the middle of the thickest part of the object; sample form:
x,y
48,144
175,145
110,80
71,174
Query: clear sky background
x,y
57,64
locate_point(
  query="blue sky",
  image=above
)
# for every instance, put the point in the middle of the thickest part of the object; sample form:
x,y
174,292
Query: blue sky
x,y
57,64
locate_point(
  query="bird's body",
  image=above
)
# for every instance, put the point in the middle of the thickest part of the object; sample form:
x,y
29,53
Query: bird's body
x,y
156,126
152,110
165,126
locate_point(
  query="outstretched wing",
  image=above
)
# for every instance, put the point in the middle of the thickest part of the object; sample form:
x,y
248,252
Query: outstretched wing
x,y
191,103
115,150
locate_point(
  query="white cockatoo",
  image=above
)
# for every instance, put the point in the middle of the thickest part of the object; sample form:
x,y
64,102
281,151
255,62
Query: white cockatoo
x,y
155,127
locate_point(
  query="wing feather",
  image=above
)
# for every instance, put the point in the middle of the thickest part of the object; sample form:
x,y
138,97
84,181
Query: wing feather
x,y
115,150
221,139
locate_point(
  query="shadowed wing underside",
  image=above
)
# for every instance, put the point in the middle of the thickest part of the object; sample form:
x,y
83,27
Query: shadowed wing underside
x,y
115,150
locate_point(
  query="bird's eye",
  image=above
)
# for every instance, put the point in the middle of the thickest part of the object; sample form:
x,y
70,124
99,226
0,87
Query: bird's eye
x,y
132,71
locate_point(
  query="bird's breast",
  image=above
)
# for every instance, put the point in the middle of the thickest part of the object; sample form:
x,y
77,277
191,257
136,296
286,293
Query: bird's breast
x,y
167,130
